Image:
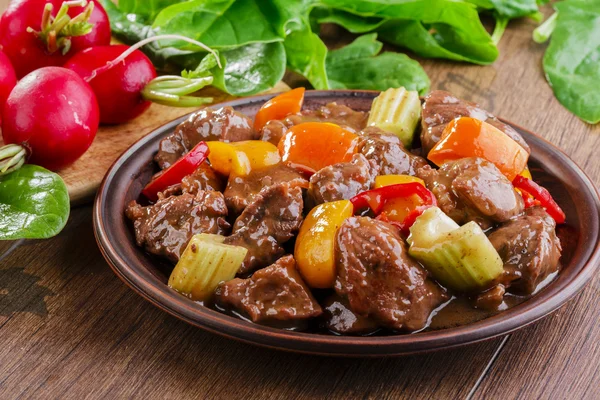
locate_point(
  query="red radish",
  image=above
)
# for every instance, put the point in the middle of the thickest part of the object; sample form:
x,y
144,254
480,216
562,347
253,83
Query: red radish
x,y
118,89
124,80
8,79
54,113
32,39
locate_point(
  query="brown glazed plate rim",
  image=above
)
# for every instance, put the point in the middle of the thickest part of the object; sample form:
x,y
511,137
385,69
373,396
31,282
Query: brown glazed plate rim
x,y
144,282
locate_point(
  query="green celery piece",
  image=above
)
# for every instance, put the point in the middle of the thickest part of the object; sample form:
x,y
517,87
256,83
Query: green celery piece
x,y
571,61
398,111
461,258
250,69
34,204
357,66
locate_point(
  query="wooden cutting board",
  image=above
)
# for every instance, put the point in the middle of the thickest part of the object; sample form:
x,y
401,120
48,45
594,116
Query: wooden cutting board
x,y
84,176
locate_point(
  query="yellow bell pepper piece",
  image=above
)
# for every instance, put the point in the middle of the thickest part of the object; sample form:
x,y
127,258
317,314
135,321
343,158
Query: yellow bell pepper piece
x,y
526,173
240,158
314,252
398,209
388,180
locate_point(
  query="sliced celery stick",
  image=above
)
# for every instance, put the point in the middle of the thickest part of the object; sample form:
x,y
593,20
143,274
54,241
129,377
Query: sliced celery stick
x,y
461,258
204,264
397,111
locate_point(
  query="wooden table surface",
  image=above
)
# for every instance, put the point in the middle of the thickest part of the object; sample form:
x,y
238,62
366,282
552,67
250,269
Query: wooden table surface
x,y
69,328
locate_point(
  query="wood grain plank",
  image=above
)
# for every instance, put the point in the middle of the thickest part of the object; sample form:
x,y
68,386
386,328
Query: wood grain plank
x,y
99,339
94,338
557,358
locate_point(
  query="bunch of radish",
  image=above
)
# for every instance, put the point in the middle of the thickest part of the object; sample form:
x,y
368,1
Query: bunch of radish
x,y
72,79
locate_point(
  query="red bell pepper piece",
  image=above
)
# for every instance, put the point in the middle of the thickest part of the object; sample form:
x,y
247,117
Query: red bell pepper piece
x,y
375,200
173,175
531,189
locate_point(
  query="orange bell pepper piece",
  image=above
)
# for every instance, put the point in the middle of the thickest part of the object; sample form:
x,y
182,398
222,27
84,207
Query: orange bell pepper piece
x,y
398,209
241,158
279,107
314,145
314,252
470,137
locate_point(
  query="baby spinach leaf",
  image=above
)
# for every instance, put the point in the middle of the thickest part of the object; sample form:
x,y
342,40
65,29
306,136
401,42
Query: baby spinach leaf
x,y
250,69
147,9
357,66
131,29
306,54
351,22
442,29
218,24
572,60
34,204
191,18
509,8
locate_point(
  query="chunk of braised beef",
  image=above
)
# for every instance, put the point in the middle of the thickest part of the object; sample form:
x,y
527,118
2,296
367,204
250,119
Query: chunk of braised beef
x,y
473,189
224,124
379,278
387,152
166,227
204,178
341,181
491,299
241,190
273,131
441,107
530,249
333,113
339,318
276,292
272,219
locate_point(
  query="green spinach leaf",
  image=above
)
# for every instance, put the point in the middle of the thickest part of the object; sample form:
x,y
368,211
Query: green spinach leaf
x,y
34,204
572,60
351,22
218,24
357,66
306,54
509,8
444,29
131,29
147,10
250,69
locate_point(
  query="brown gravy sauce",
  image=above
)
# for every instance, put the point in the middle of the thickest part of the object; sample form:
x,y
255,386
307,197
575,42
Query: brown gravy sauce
x,y
456,312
